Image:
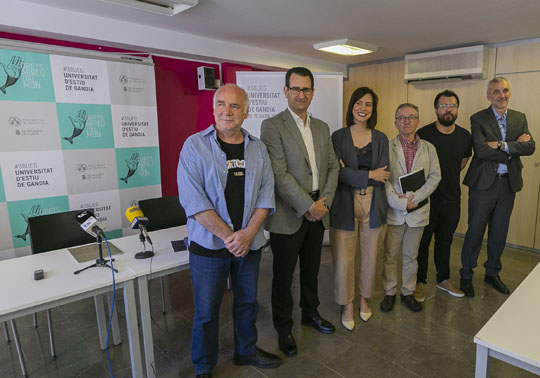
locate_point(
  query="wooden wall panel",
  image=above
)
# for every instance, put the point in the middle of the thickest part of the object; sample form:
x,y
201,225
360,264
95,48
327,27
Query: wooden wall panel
x,y
386,79
518,58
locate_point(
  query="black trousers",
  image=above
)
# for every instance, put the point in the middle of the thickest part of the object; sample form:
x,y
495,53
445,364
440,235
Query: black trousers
x,y
304,245
491,207
443,221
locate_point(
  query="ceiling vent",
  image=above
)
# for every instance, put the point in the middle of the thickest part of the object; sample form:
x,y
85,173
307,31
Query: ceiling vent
x,y
165,7
463,63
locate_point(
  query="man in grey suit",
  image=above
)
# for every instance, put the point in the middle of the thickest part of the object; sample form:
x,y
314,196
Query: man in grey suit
x,y
500,137
306,172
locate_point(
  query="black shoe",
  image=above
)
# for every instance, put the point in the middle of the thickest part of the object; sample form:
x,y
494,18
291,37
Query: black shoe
x,y
387,303
320,324
411,303
287,345
205,375
497,284
260,359
466,286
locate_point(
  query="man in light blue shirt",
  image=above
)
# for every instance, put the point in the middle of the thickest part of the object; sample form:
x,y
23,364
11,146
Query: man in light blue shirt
x,y
226,186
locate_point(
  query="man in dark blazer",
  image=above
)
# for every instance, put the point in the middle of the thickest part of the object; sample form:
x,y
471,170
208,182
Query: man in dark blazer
x,y
500,137
306,170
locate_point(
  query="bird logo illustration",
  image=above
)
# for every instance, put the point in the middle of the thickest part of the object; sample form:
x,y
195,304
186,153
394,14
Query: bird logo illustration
x,y
13,72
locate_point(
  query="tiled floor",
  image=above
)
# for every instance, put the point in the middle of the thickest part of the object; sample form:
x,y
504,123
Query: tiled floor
x,y
437,342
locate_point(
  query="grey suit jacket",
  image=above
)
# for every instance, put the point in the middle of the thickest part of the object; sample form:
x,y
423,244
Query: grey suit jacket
x,y
483,168
292,171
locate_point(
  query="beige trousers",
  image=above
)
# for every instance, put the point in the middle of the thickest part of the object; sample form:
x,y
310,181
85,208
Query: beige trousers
x,y
403,239
346,244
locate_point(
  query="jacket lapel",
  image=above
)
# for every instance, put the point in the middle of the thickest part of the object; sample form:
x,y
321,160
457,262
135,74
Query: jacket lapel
x,y
399,155
494,124
294,133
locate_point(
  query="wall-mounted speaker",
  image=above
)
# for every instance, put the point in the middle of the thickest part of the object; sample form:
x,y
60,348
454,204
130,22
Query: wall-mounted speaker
x,y
206,78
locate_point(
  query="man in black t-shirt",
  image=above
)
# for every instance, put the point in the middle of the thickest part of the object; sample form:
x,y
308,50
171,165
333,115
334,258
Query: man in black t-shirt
x,y
454,148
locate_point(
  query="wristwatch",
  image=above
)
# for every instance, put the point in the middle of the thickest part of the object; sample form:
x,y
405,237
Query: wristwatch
x,y
500,145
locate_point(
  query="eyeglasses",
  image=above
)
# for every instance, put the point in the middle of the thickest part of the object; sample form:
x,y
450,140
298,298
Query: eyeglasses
x,y
446,106
410,118
295,91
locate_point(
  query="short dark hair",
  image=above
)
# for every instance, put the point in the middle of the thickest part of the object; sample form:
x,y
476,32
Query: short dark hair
x,y
301,71
357,95
445,93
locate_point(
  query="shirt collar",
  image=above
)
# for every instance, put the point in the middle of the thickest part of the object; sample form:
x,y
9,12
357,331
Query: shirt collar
x,y
403,141
298,120
498,117
210,130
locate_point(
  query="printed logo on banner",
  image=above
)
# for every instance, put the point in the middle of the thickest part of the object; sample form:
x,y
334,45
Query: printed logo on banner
x,y
28,126
33,174
80,80
90,170
85,126
25,76
132,196
106,206
132,84
20,211
2,192
134,126
138,167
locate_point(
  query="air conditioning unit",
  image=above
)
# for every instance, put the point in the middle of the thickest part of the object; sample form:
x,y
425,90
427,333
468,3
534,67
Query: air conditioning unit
x,y
463,63
165,7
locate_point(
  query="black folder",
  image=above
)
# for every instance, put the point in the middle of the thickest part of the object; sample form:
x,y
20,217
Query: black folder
x,y
411,182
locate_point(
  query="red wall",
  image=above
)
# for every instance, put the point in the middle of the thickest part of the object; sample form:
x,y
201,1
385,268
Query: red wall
x,y
182,108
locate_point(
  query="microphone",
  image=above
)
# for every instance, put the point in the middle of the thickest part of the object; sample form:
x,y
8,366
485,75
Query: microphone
x,y
90,224
137,219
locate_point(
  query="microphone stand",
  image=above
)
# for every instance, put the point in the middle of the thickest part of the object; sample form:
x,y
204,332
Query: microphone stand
x,y
144,254
100,261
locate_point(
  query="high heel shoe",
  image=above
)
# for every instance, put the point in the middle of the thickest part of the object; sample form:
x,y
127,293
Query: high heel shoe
x,y
347,324
365,316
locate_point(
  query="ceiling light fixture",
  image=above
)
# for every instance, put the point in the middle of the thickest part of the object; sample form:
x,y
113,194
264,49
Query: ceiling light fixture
x,y
165,7
346,46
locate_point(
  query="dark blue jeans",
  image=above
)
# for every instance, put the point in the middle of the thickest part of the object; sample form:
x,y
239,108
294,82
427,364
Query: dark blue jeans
x,y
209,278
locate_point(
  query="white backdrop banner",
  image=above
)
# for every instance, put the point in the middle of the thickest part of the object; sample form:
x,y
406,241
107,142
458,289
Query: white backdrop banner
x,y
266,98
76,133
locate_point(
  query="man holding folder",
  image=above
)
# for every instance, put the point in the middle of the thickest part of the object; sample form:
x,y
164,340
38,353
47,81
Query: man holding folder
x,y
407,215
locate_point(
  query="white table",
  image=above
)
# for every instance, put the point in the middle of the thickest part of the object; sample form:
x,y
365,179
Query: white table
x,y
165,262
22,295
513,332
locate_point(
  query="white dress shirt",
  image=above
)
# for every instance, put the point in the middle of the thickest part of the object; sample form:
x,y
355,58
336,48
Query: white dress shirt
x,y
305,131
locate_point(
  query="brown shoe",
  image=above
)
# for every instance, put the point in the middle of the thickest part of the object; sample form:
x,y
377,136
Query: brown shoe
x,y
447,286
420,292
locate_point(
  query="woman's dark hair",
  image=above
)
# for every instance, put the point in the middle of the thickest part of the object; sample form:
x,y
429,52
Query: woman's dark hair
x,y
357,95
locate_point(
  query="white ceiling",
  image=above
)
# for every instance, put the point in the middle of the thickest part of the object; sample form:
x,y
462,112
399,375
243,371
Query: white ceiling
x,y
399,27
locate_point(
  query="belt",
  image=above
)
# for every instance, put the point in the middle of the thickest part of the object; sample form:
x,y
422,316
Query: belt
x,y
314,195
365,191
501,175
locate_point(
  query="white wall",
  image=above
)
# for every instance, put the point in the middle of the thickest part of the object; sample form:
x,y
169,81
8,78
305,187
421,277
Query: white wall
x,y
44,21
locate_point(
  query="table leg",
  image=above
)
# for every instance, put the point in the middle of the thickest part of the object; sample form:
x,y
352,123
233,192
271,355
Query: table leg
x,y
6,332
482,363
146,323
101,321
115,327
130,304
18,347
